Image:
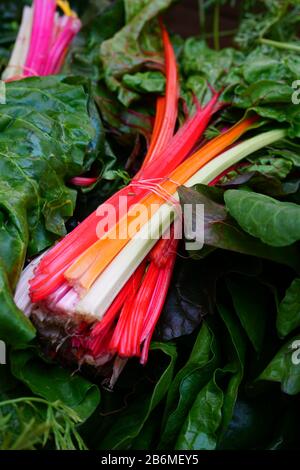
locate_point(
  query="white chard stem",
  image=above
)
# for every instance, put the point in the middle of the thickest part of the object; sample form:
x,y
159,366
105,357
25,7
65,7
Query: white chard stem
x,y
19,54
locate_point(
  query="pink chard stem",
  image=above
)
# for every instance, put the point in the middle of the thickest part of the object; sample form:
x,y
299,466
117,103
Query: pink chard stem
x,y
42,28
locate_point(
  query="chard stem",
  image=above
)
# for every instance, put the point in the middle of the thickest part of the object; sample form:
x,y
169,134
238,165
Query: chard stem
x,y
280,45
21,47
201,7
216,26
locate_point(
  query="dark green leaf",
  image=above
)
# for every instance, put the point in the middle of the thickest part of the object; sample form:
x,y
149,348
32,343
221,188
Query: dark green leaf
x,y
251,425
287,437
126,124
53,382
149,432
188,381
129,424
212,410
250,300
274,18
285,367
204,420
47,136
288,154
101,21
289,310
192,294
16,329
235,368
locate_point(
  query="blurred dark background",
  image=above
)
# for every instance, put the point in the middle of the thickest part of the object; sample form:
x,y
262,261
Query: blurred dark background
x,y
184,18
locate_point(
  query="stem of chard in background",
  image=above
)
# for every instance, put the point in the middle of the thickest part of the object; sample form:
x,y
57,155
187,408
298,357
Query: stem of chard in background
x,y
43,40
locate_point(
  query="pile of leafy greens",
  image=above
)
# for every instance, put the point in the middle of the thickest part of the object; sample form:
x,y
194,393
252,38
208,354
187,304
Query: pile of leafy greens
x,y
224,370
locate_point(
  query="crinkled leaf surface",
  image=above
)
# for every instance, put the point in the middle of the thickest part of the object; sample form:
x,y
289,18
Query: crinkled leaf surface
x,y
46,137
127,50
276,223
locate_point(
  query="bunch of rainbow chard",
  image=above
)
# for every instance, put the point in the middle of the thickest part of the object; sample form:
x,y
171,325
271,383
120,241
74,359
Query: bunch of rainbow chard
x,y
43,39
107,292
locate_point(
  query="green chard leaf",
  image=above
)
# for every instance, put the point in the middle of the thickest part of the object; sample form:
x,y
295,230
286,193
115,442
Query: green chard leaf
x,y
101,20
289,310
221,231
263,84
274,18
130,423
204,420
192,298
212,410
184,388
145,82
49,133
250,300
55,383
127,124
201,62
148,433
16,329
285,367
128,51
274,222
273,166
